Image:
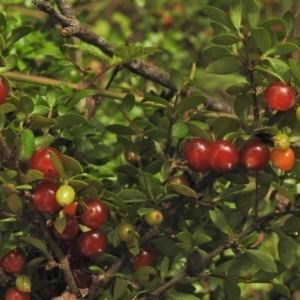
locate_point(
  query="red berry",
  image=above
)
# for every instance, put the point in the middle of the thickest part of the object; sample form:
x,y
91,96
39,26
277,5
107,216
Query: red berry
x,y
94,214
83,279
194,152
280,96
283,160
70,232
42,162
254,155
44,197
14,294
168,21
92,243
2,92
13,261
71,209
145,257
222,156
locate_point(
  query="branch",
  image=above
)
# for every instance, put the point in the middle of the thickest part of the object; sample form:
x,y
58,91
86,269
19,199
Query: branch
x,y
71,27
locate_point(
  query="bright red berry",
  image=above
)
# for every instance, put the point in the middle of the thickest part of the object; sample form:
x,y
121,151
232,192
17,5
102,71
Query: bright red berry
x,y
145,257
254,155
92,243
14,294
283,160
222,156
70,232
13,261
72,209
194,152
280,96
44,197
42,162
94,214
3,92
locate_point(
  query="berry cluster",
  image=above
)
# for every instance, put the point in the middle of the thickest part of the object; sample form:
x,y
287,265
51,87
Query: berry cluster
x,y
50,197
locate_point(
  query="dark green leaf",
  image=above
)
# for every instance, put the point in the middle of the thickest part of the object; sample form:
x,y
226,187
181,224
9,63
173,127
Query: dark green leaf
x,y
189,103
33,175
236,13
281,49
223,124
217,15
164,268
183,190
27,105
238,88
177,79
232,290
269,72
3,20
225,39
219,220
201,238
242,107
70,120
58,165
36,243
186,238
80,95
286,252
282,289
128,103
224,65
252,13
173,294
7,108
218,28
261,38
41,122
27,140
180,130
242,264
120,129
216,52
262,260
70,164
148,100
294,69
286,193
154,167
2,45
278,66
289,21
156,134
120,287
197,131
14,203
130,194
17,34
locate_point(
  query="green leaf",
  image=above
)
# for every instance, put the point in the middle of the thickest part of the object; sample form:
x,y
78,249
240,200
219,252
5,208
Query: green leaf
x,y
27,141
197,131
156,134
120,129
225,39
173,294
216,52
43,141
144,274
242,107
130,52
239,88
278,66
261,38
286,252
128,103
183,190
2,44
282,289
131,194
80,95
201,238
3,22
41,122
294,69
189,103
281,49
89,49
269,72
70,164
7,108
242,264
186,237
33,175
57,164
262,260
11,62
223,124
69,120
252,13
14,203
289,21
164,268
177,79
236,13
150,100
60,222
286,193
232,290
17,34
36,243
219,220
120,287
27,105
224,65
217,15
180,130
